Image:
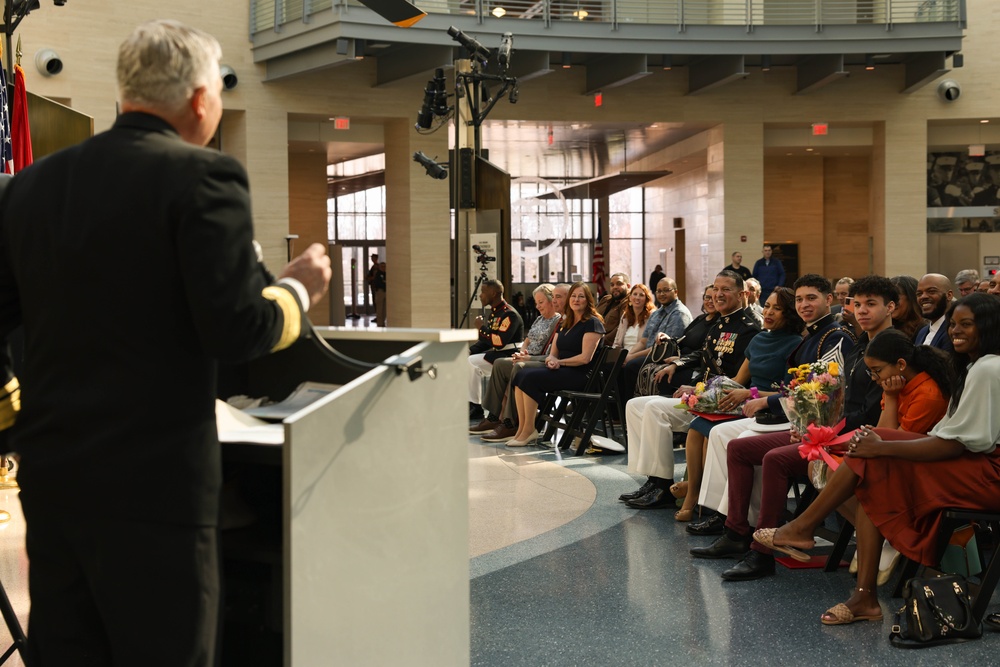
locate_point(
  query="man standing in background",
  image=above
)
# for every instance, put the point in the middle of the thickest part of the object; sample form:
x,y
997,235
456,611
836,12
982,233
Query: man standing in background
x,y
769,273
736,266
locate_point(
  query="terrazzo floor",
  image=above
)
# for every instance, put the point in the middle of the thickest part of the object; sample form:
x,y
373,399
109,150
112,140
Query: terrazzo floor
x,y
615,586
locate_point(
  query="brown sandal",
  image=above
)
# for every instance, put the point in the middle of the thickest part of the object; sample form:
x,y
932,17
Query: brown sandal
x,y
679,490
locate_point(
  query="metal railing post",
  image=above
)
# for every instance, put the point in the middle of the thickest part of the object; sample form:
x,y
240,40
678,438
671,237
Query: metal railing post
x,y
680,19
306,11
278,12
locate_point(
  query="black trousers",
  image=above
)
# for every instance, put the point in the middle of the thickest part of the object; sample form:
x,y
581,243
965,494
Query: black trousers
x,y
108,591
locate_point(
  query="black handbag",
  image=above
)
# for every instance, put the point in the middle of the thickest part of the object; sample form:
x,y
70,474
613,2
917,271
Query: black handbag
x,y
646,384
936,611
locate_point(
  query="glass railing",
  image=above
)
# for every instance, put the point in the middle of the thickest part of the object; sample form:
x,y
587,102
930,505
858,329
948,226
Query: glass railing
x,y
266,14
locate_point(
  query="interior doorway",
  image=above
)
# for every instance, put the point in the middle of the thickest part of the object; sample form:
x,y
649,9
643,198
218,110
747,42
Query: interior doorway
x,y
359,303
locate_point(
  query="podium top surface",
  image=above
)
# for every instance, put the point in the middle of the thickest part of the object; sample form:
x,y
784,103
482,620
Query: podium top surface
x,y
398,334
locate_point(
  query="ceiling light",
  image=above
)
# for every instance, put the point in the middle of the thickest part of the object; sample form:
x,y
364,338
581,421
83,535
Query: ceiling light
x,y
985,120
668,62
869,62
765,63
581,14
566,63
498,12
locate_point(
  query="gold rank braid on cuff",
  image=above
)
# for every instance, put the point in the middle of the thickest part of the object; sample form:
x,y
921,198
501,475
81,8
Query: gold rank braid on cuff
x,y
10,404
292,315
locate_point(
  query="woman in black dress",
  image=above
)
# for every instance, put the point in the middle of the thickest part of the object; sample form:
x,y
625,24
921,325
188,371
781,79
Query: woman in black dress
x,y
567,364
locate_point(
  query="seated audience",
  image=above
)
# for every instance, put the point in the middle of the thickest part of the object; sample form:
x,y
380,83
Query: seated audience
x,y
934,295
633,322
765,366
566,366
966,281
669,319
984,286
613,305
498,337
753,299
841,293
536,343
652,420
778,454
903,480
907,317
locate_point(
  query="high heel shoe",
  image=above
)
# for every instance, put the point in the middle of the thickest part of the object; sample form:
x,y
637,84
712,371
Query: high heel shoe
x,y
679,490
684,515
530,440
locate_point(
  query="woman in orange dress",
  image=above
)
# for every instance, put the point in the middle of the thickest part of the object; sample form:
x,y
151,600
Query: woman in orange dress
x,y
904,480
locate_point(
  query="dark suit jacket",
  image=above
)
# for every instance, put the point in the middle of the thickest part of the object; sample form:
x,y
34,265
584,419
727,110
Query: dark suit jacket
x,y
941,339
129,260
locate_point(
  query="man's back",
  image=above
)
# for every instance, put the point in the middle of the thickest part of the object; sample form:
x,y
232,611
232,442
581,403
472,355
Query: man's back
x,y
129,279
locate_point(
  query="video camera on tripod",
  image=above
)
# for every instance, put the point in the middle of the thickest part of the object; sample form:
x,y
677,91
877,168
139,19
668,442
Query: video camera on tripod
x,y
483,259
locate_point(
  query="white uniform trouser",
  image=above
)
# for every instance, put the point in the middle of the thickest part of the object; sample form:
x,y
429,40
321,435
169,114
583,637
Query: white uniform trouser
x,y
715,480
479,368
651,422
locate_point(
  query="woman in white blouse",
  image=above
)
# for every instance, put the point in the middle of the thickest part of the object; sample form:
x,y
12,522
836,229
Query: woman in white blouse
x,y
629,335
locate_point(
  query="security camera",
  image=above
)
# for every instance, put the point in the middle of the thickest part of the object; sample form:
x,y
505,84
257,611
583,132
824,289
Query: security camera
x,y
48,62
229,79
949,90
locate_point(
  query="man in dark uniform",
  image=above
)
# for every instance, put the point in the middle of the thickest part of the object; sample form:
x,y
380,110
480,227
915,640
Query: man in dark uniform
x,y
129,261
498,337
651,421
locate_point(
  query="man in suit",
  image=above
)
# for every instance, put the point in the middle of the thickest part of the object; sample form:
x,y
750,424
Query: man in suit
x,y
129,260
934,295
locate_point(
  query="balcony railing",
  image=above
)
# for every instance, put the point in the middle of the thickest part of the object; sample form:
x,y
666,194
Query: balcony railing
x,y
271,14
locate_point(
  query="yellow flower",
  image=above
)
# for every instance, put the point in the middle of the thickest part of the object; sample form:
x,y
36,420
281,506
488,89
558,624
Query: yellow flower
x,y
700,388
834,368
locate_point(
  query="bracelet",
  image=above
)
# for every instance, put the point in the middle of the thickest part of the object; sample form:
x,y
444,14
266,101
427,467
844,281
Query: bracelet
x,y
754,393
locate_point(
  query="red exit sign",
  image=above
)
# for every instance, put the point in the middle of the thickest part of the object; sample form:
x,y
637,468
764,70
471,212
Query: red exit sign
x,y
341,123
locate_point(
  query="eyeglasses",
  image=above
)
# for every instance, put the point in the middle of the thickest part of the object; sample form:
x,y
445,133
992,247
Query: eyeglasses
x,y
708,297
875,373
664,291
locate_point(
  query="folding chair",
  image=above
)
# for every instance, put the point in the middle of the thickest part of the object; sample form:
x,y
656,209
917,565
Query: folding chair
x,y
953,518
582,413
13,626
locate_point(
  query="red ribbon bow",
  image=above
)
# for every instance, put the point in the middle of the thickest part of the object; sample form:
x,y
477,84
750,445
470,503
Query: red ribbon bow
x,y
817,440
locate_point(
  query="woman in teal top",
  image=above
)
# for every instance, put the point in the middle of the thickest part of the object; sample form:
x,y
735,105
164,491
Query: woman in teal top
x,y
765,365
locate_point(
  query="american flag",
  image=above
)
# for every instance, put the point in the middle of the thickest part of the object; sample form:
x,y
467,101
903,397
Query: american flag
x,y
20,131
8,156
599,277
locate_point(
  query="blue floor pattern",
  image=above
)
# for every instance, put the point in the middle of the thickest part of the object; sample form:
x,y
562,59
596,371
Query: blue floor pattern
x,y
618,587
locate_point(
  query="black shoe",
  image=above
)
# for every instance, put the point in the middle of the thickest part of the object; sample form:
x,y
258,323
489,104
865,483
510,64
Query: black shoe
x,y
654,500
724,547
475,411
713,525
643,490
753,566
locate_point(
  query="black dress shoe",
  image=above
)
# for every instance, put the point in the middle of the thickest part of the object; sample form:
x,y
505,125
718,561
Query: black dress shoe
x,y
724,547
753,566
654,500
713,525
643,490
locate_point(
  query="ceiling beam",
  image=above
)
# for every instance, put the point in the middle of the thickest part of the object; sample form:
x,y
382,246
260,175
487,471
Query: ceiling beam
x,y
922,68
613,71
815,72
410,61
527,65
713,71
308,60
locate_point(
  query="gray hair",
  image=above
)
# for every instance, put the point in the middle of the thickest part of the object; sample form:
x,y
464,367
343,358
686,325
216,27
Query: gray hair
x,y
163,62
544,288
755,283
967,276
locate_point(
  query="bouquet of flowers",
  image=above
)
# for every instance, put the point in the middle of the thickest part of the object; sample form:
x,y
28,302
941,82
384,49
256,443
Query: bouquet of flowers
x,y
814,403
706,396
815,396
